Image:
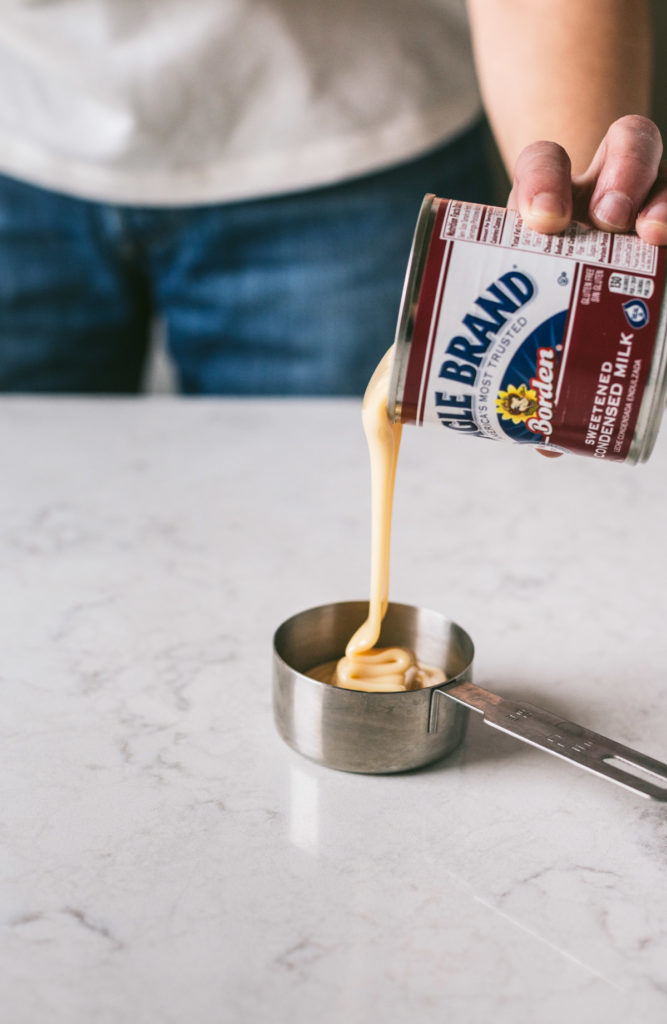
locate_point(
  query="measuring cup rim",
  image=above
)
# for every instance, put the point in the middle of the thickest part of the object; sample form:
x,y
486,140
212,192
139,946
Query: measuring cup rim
x,y
363,606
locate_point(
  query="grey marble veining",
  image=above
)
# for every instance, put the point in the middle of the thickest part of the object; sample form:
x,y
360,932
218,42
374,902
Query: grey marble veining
x,y
165,858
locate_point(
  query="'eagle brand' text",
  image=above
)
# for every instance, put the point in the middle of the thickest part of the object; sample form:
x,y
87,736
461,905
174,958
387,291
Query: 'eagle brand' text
x,y
502,299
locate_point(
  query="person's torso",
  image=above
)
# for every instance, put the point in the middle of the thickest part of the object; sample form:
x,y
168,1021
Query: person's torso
x,y
163,101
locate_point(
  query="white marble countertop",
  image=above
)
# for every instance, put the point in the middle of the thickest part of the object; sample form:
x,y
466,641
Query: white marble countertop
x,y
166,858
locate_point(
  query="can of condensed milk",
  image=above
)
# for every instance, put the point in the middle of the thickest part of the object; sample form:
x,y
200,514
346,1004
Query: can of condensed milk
x,y
551,340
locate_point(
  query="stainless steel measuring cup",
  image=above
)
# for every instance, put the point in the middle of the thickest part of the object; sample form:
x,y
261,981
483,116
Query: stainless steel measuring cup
x,y
356,731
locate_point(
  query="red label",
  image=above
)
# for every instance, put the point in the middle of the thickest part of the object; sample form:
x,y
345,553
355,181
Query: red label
x,y
605,364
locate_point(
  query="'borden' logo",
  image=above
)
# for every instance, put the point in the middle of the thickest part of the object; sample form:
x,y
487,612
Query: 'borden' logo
x,y
543,386
532,403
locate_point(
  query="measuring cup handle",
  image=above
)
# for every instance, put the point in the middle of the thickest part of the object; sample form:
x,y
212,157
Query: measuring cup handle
x,y
549,732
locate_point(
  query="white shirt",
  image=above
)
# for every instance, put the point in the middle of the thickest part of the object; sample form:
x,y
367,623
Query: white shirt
x,y
160,102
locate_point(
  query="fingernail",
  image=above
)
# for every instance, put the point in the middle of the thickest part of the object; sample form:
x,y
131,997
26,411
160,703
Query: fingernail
x,y
547,204
656,214
615,210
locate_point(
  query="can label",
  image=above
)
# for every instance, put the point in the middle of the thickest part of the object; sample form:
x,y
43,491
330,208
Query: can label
x,y
536,339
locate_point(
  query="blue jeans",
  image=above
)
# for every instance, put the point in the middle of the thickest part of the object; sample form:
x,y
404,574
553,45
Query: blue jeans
x,y
296,294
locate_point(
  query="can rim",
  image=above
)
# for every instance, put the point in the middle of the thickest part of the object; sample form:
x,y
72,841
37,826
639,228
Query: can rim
x,y
655,395
409,302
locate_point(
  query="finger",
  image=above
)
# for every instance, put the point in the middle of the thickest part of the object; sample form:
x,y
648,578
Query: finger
x,y
652,220
626,166
547,454
542,190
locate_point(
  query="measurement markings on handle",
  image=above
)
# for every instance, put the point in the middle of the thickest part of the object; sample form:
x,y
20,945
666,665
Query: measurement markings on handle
x,y
518,713
558,740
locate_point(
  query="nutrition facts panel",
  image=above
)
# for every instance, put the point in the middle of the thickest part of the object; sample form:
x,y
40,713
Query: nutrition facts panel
x,y
496,226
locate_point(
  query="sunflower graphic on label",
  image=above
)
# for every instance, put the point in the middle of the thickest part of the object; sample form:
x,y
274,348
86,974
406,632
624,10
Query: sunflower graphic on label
x,y
517,404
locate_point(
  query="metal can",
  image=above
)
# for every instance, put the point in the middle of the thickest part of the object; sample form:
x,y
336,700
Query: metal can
x,y
557,341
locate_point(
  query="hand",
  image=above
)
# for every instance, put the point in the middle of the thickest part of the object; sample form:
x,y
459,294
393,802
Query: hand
x,y
624,189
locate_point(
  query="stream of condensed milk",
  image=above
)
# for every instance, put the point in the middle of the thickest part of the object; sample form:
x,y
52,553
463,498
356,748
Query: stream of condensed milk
x,y
365,666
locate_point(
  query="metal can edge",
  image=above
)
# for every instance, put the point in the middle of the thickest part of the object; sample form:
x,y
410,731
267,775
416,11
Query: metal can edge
x,y
408,305
655,394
